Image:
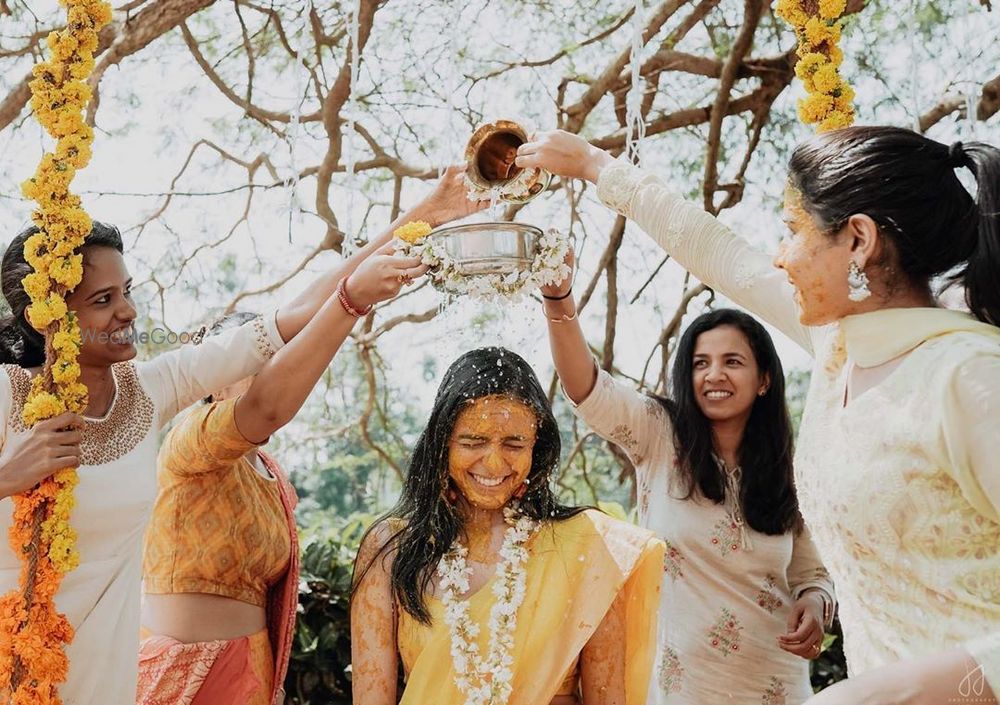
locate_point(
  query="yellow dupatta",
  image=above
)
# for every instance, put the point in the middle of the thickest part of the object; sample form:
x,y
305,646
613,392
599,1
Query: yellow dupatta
x,y
576,569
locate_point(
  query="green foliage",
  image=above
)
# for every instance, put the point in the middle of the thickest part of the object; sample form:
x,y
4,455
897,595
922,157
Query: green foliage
x,y
831,666
321,651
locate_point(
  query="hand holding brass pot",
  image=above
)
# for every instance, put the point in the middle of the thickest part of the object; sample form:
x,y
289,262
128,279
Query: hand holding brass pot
x,y
490,156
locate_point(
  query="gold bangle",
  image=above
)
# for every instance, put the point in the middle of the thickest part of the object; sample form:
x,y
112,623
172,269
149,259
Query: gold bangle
x,y
562,319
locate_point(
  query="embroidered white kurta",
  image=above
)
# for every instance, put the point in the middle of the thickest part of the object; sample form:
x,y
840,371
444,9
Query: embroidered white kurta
x,y
901,486
724,600
115,497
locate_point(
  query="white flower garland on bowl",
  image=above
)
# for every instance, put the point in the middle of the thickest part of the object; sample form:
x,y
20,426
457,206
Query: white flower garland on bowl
x,y
547,267
487,681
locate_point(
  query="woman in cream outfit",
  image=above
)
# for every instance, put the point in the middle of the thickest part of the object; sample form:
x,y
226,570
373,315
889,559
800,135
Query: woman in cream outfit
x,y
897,466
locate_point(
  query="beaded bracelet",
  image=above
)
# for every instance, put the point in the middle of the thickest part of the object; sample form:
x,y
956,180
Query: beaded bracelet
x,y
346,302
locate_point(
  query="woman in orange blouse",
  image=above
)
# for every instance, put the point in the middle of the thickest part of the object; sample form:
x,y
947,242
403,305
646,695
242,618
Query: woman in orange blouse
x,y
221,566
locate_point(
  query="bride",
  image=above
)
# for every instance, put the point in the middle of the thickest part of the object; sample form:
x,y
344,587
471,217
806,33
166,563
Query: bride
x,y
482,585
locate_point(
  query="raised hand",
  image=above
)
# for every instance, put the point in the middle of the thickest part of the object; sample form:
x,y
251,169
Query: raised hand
x,y
558,290
449,200
564,154
382,275
49,446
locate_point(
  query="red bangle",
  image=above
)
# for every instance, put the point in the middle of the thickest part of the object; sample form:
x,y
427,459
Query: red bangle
x,y
346,302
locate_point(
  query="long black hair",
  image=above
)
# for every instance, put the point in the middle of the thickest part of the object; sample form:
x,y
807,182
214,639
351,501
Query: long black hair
x,y
908,185
430,523
767,490
20,343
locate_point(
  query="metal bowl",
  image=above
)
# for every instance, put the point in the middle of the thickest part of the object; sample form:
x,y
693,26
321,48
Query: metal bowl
x,y
489,248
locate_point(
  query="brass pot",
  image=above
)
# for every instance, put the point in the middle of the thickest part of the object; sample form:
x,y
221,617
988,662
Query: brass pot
x,y
490,155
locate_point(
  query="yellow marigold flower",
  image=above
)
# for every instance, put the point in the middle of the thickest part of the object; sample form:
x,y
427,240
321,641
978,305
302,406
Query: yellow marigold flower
x,y
63,45
844,101
814,107
81,68
809,64
832,9
37,285
791,11
65,371
68,271
826,79
40,407
42,313
836,120
413,232
74,149
65,343
836,56
78,220
35,249
75,396
818,31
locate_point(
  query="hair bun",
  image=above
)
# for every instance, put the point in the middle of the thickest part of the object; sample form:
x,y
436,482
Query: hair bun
x,y
957,158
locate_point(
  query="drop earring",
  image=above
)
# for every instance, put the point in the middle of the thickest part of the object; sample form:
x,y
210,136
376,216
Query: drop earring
x,y
857,283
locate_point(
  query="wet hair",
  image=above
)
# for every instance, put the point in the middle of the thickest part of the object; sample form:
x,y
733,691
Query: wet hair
x,y
908,185
430,523
767,489
221,324
20,343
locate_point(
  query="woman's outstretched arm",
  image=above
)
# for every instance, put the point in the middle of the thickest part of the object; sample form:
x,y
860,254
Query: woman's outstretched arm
x,y
695,239
447,202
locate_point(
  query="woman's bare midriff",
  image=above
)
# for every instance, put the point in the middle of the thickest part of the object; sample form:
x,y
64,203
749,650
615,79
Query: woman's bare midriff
x,y
191,617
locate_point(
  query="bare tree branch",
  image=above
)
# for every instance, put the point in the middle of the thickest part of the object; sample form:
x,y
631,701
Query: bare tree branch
x,y
986,107
752,10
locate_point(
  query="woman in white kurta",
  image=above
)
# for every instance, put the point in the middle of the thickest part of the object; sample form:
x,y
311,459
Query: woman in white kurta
x,y
897,465
744,597
129,403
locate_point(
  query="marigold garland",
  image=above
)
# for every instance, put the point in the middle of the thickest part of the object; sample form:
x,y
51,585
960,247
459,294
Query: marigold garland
x,y
817,24
33,660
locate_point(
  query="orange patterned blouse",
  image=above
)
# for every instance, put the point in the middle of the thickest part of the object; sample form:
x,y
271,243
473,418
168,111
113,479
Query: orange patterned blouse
x,y
218,525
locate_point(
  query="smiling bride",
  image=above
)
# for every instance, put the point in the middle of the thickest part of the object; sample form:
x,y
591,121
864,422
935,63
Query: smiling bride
x,y
481,584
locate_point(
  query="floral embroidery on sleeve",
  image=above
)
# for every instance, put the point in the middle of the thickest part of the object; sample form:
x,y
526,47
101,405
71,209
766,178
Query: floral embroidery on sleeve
x,y
672,561
670,674
617,186
775,694
725,635
767,598
623,436
726,536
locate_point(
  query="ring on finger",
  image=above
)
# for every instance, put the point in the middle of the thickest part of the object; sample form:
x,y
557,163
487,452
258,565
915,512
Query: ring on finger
x,y
816,648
